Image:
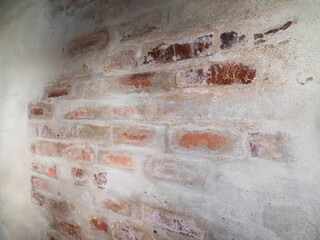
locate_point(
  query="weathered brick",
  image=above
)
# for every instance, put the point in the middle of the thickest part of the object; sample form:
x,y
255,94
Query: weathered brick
x,y
47,148
128,231
67,228
65,131
57,91
79,153
201,46
101,180
150,82
172,222
194,139
94,41
39,198
140,32
211,141
83,113
99,224
40,184
80,176
57,206
134,135
259,37
40,111
171,170
269,146
199,105
117,206
229,39
123,59
40,168
125,111
143,24
90,132
118,160
227,73
108,112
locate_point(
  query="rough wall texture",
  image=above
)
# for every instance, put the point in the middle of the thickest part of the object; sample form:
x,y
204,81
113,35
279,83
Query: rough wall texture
x,y
159,119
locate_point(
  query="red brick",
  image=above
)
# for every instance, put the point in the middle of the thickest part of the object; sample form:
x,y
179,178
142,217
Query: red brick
x,y
137,135
121,60
172,222
240,74
57,91
40,184
67,228
117,206
150,82
101,180
58,206
80,176
79,153
175,52
99,224
194,139
40,111
160,54
269,146
170,170
117,160
47,148
227,73
127,231
95,41
40,168
79,114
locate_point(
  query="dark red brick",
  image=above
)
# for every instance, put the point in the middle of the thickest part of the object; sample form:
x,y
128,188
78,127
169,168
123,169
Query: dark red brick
x,y
227,73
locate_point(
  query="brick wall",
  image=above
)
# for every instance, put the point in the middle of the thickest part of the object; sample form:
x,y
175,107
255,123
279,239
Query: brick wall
x,y
144,139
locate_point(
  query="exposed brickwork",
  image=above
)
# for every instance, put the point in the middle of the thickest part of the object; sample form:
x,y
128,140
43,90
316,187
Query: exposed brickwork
x,y
101,180
79,153
175,52
67,228
137,135
267,146
172,222
117,160
218,74
40,111
41,184
79,175
94,41
117,206
99,224
123,59
150,138
126,231
171,170
47,148
58,206
40,168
